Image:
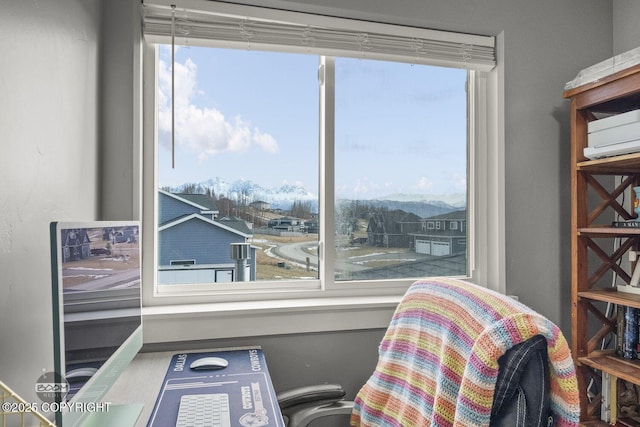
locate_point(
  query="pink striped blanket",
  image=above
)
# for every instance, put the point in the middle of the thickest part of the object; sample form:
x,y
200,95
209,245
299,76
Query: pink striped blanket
x,y
438,361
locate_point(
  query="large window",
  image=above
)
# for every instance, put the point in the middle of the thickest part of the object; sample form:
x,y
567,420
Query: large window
x,y
288,170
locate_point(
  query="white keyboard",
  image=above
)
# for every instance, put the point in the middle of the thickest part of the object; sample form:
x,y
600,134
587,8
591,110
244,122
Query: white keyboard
x,y
204,410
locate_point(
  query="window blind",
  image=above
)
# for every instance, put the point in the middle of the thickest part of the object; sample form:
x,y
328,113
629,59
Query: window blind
x,y
214,23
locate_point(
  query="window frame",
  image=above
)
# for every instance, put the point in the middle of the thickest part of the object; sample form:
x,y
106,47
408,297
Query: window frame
x,y
324,304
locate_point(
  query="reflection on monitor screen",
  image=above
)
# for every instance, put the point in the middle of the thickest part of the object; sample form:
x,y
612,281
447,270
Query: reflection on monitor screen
x,y
97,310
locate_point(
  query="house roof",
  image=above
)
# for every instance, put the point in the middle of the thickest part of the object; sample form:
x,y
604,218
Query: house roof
x,y
461,214
200,199
191,217
236,223
389,221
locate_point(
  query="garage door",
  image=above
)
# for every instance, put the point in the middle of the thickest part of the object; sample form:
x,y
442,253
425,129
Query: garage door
x,y
423,247
440,248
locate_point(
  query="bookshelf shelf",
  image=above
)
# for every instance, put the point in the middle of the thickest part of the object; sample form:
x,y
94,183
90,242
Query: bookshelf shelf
x,y
627,164
612,296
607,361
606,231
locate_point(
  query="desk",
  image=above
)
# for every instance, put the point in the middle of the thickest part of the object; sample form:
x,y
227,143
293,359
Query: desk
x,y
144,378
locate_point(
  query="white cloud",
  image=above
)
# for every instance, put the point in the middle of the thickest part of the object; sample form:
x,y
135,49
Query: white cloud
x,y
361,188
203,130
267,142
455,183
364,187
425,184
459,183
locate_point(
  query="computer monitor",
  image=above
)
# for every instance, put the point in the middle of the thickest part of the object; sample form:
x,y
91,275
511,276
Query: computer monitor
x,y
97,319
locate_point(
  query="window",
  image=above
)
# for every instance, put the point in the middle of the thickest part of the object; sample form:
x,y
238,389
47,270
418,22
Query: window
x,y
246,147
182,262
400,157
328,166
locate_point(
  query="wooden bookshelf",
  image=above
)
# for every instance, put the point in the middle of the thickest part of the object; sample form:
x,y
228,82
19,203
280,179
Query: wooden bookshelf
x,y
597,186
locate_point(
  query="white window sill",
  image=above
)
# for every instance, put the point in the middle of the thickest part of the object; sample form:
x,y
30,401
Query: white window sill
x,y
174,323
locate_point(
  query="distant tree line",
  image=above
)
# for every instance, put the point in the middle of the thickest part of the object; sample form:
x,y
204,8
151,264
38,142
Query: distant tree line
x,y
239,206
347,215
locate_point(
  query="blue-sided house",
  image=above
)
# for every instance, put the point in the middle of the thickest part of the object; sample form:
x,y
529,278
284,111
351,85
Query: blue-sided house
x,y
194,246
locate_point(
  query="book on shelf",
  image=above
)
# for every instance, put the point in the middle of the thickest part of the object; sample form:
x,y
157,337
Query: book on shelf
x,y
625,224
627,332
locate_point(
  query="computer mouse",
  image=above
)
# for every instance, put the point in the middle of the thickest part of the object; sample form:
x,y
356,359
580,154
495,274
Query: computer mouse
x,y
80,374
209,363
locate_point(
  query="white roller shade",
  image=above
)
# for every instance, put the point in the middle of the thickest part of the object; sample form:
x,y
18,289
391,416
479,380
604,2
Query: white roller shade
x,y
213,23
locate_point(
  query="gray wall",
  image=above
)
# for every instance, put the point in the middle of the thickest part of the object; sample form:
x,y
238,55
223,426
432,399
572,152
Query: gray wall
x,y
67,124
49,136
119,193
626,31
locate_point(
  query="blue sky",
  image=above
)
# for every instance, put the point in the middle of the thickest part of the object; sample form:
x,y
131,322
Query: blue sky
x,y
400,128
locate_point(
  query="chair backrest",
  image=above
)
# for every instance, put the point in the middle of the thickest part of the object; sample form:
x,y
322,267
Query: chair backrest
x,y
521,399
439,362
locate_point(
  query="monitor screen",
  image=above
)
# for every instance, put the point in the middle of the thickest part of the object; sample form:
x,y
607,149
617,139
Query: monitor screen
x,y
96,309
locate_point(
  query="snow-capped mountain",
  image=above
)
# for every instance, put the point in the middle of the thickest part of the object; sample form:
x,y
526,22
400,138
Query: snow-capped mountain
x,y
278,197
282,197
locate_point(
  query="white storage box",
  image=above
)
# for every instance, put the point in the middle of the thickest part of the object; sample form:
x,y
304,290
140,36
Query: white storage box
x,y
613,136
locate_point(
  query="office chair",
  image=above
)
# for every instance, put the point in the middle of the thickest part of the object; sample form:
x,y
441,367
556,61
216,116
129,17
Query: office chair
x,y
456,354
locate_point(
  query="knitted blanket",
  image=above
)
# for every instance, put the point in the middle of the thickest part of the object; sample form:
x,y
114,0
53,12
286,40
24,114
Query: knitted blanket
x,y
438,361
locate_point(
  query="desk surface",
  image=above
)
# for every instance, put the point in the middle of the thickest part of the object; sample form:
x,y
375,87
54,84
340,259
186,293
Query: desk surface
x,y
143,379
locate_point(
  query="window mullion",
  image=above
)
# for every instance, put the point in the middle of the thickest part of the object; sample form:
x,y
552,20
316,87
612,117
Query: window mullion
x,y
149,181
326,79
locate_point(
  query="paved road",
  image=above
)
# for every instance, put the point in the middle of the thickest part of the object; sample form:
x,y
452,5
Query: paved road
x,y
295,252
112,278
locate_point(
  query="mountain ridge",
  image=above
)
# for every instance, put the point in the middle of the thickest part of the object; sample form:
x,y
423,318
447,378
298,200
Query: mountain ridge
x,y
282,197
